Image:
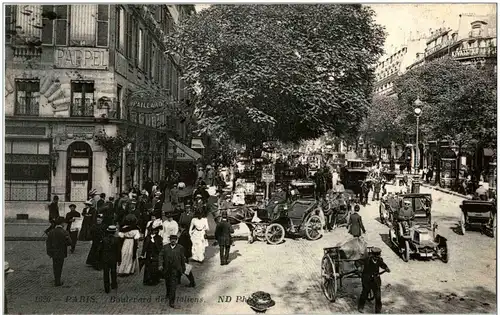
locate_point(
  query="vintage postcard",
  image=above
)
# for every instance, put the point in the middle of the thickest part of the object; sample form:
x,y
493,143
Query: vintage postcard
x,y
292,158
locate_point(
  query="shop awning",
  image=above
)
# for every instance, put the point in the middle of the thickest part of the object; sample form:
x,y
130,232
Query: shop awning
x,y
197,144
183,152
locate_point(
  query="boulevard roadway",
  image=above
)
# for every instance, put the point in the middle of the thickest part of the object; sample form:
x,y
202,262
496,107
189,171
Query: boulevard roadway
x,y
290,272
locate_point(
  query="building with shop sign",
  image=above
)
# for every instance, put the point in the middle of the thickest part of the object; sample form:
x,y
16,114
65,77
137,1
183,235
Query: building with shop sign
x,y
74,72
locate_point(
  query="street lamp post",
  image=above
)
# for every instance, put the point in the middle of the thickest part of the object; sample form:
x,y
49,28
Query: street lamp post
x,y
417,111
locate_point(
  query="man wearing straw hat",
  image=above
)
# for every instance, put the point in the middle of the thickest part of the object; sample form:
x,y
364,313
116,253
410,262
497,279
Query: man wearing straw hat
x,y
58,241
110,256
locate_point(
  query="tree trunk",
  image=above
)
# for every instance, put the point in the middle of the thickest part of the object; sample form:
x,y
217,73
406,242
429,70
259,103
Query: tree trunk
x,y
438,162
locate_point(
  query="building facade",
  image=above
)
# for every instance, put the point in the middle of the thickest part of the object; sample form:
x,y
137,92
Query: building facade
x,y
74,75
473,43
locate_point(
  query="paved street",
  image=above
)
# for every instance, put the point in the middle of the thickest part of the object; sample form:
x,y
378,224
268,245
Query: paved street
x,y
290,272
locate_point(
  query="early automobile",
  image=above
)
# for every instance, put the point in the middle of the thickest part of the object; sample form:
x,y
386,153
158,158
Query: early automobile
x,y
412,232
353,175
478,214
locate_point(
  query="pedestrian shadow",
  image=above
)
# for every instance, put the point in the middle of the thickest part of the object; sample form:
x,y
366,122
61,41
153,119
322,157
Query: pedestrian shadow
x,y
456,229
234,255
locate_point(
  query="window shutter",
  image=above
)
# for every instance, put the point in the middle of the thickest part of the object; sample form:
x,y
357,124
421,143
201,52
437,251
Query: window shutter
x,y
48,26
10,22
61,29
102,25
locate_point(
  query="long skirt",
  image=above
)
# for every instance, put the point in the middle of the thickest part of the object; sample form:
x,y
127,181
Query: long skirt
x,y
151,274
85,232
199,245
93,257
129,264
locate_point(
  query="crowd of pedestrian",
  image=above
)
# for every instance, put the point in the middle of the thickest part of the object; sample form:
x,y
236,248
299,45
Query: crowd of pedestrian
x,y
167,219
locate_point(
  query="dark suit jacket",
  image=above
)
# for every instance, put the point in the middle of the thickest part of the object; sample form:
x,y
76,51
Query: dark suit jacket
x,y
356,225
110,249
53,211
223,232
173,260
69,216
58,241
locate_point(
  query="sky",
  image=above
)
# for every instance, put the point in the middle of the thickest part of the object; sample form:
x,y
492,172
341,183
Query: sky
x,y
401,19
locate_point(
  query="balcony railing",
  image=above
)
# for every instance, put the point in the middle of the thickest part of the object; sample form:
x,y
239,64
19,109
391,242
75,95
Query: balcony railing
x,y
475,52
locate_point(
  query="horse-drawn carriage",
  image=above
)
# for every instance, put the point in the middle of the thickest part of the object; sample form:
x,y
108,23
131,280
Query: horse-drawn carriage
x,y
412,231
478,213
337,265
280,218
339,205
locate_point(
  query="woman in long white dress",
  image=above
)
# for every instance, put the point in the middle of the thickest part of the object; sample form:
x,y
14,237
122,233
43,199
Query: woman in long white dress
x,y
197,231
130,235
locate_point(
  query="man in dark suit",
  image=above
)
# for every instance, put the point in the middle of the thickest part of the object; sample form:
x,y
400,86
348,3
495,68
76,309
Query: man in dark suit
x,y
110,255
58,241
355,225
371,281
73,232
223,232
173,264
53,213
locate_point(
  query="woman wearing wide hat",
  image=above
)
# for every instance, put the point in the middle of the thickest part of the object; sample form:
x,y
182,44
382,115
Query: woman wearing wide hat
x,y
88,214
260,301
151,249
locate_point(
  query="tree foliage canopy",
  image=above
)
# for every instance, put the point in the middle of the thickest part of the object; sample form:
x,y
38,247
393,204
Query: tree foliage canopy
x,y
286,72
459,101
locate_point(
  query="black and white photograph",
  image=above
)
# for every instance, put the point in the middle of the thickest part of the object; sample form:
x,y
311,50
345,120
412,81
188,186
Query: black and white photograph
x,y
249,157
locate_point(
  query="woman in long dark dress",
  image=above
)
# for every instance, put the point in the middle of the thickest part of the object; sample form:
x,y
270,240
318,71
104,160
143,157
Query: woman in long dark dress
x,y
98,232
89,219
151,249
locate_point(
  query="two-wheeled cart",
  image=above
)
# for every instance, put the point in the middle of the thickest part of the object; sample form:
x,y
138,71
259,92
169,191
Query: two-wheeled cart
x,y
333,270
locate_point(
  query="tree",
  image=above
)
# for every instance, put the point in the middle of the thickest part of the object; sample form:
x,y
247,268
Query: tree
x,y
459,103
280,72
383,123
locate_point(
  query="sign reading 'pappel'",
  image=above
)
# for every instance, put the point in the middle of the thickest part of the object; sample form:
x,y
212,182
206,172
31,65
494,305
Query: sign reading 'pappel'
x,y
81,58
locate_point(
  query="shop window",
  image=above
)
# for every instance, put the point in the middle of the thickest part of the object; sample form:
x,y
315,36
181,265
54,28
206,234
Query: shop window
x,y
82,98
27,97
27,171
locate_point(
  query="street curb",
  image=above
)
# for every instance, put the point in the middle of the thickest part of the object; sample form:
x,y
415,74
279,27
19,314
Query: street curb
x,y
446,191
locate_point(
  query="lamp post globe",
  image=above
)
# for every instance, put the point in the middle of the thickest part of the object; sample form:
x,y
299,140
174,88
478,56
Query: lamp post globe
x,y
418,102
418,111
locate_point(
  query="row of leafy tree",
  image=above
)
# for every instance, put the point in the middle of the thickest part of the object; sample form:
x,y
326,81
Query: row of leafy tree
x,y
459,104
279,72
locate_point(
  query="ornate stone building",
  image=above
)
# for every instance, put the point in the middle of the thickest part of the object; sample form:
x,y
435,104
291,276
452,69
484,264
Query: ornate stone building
x,y
72,75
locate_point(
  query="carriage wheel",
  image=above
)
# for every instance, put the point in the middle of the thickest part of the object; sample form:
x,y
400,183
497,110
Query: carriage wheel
x,y
462,223
260,233
445,256
313,228
382,216
406,253
329,275
494,226
275,233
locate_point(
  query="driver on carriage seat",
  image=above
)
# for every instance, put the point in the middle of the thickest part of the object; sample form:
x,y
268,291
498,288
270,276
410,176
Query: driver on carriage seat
x,y
371,281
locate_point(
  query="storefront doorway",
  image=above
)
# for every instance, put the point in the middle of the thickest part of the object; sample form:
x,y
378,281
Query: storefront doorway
x,y
79,170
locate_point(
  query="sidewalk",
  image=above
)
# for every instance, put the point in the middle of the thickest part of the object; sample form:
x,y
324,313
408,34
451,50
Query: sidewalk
x,y
444,190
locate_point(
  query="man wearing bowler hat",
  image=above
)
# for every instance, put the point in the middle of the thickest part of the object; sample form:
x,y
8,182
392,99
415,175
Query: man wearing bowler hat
x,y
58,241
371,281
110,256
173,265
223,232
